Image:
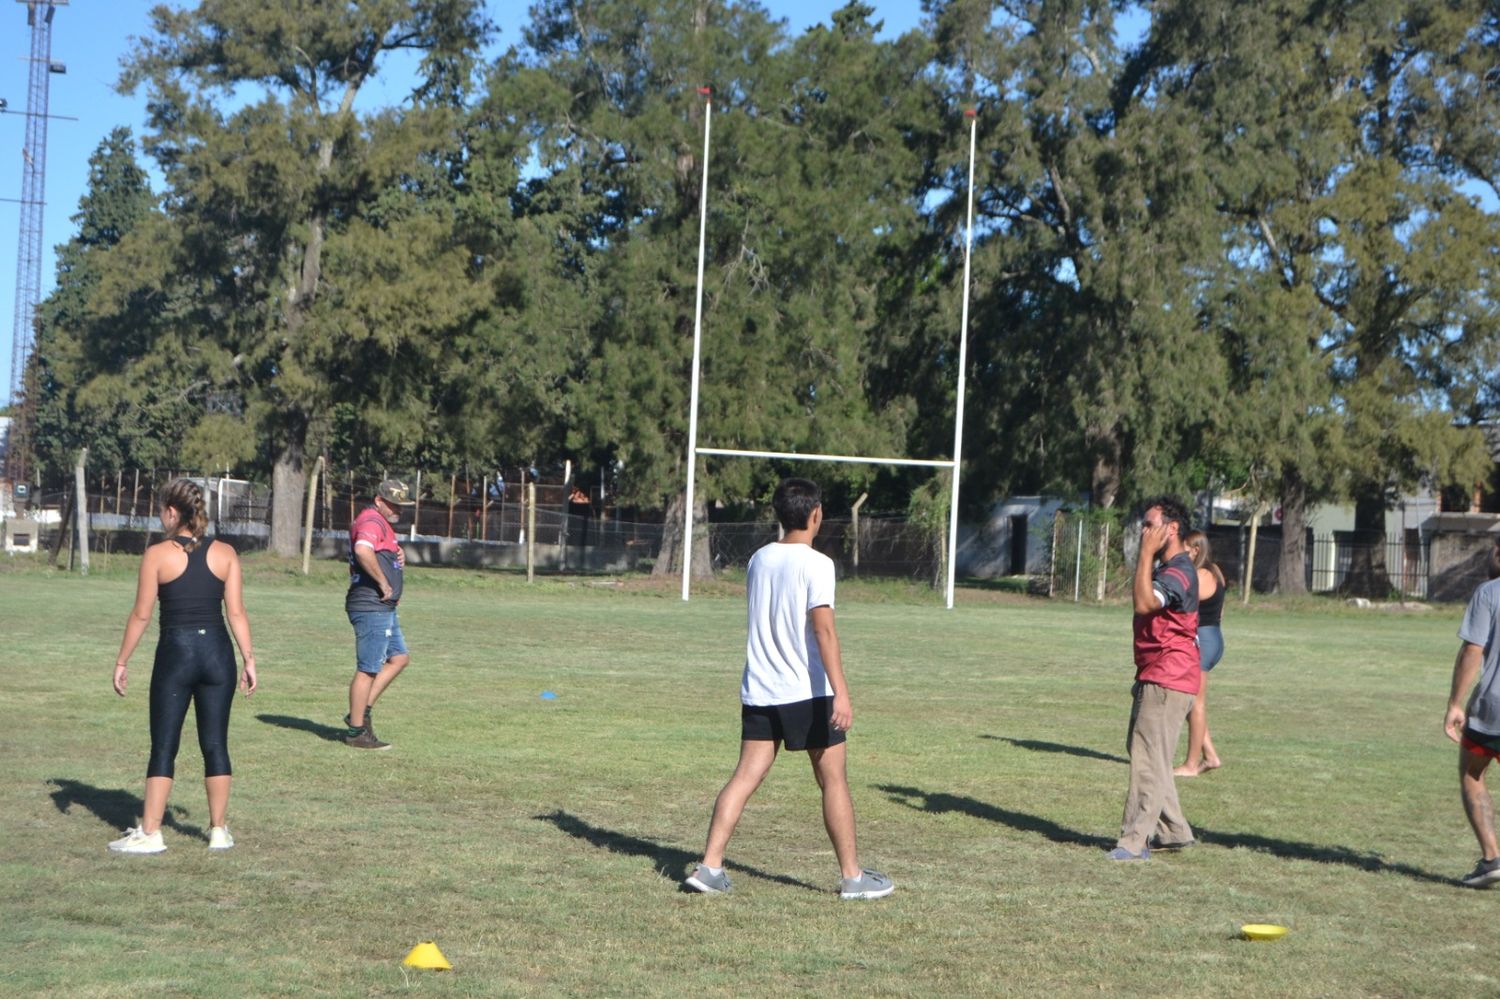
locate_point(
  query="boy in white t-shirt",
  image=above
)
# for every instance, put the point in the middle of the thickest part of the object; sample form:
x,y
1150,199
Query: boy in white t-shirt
x,y
793,691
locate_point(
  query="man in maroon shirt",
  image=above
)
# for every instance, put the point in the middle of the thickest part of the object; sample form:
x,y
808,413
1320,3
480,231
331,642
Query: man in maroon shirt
x,y
1167,675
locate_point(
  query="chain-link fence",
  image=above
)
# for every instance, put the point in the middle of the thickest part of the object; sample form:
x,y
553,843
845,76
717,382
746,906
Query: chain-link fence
x,y
462,521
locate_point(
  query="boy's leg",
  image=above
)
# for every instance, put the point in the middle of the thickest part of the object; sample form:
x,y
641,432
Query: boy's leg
x,y
393,666
1476,796
359,696
395,660
838,805
756,757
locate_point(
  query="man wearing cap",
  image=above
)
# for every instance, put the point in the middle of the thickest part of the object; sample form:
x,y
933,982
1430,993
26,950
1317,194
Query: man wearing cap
x,y
375,565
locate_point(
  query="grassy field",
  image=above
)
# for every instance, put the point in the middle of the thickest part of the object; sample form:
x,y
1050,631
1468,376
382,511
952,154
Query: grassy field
x,y
540,842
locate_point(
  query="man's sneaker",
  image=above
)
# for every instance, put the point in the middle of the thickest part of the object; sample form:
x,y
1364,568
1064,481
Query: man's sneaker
x,y
1120,853
1157,844
368,726
219,838
365,739
1484,874
869,884
136,841
710,884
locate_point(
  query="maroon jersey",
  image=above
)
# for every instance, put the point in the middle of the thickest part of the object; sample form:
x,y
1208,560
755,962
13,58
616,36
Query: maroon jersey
x,y
1166,641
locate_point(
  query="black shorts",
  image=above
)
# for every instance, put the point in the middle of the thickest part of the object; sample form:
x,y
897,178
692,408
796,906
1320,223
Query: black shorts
x,y
799,725
1480,744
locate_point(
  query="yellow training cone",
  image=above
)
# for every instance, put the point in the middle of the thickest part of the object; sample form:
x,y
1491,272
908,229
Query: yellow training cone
x,y
427,955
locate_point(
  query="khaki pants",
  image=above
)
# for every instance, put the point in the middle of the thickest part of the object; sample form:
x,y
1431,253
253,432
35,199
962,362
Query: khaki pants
x,y
1151,802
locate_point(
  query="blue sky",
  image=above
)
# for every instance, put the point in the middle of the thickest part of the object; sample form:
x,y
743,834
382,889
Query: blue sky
x,y
91,36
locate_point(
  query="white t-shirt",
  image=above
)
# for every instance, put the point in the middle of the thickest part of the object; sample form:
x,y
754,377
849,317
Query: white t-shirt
x,y
782,662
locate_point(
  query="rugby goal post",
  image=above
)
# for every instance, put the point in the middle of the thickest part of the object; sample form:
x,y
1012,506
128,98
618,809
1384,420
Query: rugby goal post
x,y
694,451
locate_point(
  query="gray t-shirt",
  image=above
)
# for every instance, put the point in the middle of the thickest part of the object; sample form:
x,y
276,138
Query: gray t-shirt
x,y
1480,627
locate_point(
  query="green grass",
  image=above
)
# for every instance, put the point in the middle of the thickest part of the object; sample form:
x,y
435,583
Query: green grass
x,y
539,843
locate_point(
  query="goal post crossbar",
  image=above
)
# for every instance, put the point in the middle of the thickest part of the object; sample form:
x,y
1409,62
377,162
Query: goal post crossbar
x,y
694,451
847,458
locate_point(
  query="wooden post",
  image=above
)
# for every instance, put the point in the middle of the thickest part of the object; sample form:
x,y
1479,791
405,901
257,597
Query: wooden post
x,y
1078,561
135,490
452,498
81,532
854,526
530,532
327,493
1052,565
119,487
1250,558
416,511
1103,563
484,510
307,528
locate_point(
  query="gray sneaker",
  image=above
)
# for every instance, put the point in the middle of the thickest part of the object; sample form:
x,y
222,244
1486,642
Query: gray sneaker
x,y
1484,874
709,884
869,884
365,739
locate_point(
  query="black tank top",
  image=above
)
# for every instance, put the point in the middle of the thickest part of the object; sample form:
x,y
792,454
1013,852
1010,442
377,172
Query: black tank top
x,y
193,599
1211,611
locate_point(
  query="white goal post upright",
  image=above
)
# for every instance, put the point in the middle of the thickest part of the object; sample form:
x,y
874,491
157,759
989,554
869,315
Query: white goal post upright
x,y
963,364
694,450
692,453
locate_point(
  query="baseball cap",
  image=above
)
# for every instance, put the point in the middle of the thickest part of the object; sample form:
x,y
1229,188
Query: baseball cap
x,y
395,491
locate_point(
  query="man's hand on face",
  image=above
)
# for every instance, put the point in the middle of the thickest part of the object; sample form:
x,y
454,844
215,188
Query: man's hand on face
x,y
1153,539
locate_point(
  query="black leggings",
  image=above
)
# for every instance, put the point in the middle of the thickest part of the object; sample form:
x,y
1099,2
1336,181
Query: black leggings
x,y
192,664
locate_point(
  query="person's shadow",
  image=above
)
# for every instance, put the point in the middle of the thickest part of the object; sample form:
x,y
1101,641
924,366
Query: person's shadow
x,y
116,808
330,732
938,802
1039,746
669,861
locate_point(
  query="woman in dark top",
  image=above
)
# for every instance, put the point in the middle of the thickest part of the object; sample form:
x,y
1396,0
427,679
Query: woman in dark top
x,y
1201,756
194,660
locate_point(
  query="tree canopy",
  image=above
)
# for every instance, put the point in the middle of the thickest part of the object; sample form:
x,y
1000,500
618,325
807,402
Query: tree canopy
x,y
1200,259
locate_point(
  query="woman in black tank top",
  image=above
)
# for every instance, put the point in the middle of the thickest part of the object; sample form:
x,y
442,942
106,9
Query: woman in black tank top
x,y
194,663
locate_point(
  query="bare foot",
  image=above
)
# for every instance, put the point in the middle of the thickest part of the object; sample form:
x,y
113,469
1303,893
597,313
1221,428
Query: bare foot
x,y
1186,770
1212,764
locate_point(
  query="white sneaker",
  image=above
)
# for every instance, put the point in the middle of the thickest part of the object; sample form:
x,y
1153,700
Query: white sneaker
x,y
135,840
219,838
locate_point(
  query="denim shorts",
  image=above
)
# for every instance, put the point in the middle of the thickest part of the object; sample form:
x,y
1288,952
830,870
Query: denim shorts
x,y
377,637
1210,646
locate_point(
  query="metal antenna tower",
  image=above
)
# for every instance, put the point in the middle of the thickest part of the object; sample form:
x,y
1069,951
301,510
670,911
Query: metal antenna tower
x,y
39,15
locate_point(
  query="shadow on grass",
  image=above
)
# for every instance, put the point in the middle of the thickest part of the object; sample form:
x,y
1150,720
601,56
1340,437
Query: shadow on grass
x,y
332,733
1057,747
1318,853
939,802
115,808
669,861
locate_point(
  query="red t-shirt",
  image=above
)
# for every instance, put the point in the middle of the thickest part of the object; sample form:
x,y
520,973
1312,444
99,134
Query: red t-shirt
x,y
1166,641
364,593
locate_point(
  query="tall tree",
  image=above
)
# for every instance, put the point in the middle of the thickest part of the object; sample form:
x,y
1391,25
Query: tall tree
x,y
803,201
1089,363
1353,258
258,187
93,380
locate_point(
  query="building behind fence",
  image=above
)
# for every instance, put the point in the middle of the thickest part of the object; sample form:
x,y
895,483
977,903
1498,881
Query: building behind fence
x,y
1092,559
